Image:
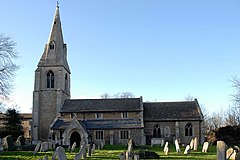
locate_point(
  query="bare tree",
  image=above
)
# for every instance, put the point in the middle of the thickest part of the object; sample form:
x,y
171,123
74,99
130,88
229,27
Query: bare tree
x,y
7,67
105,96
189,98
236,86
126,95
232,116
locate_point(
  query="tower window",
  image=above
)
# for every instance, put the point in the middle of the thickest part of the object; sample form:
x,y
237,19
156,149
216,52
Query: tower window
x,y
51,45
188,129
50,79
66,82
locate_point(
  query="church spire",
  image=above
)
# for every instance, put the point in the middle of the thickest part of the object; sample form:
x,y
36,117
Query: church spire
x,y
55,51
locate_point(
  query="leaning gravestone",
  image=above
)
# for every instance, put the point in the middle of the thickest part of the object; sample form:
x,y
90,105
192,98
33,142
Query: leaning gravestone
x,y
59,153
191,144
73,147
205,147
221,150
165,147
177,146
230,154
187,149
37,147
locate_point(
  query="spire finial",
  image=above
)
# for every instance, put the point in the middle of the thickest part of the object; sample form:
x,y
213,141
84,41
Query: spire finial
x,y
58,4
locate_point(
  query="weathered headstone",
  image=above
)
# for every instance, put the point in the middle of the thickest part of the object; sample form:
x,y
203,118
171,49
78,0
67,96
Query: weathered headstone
x,y
93,148
60,153
166,151
89,150
221,150
162,142
45,157
73,147
195,147
21,139
1,145
177,146
8,143
187,149
18,143
230,153
44,147
37,147
165,147
191,144
136,157
205,147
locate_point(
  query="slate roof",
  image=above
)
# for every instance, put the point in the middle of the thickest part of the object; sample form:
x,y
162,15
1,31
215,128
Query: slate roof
x,y
61,124
101,105
170,111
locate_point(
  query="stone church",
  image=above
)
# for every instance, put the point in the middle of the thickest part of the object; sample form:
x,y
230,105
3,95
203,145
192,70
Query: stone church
x,y
107,121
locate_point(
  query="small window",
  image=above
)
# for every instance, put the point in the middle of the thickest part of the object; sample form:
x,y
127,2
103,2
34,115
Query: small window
x,y
124,134
124,114
99,115
51,45
157,131
188,129
99,135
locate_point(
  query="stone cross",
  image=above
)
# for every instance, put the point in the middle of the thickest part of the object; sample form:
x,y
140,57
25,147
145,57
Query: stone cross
x,y
177,146
187,149
205,147
221,150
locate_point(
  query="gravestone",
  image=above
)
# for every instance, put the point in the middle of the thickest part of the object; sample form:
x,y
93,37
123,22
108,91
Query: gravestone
x,y
136,157
166,151
191,144
187,149
8,143
121,156
44,147
89,150
73,147
166,145
21,139
195,144
59,153
230,153
221,150
93,148
205,147
82,151
1,145
45,157
18,143
177,146
37,147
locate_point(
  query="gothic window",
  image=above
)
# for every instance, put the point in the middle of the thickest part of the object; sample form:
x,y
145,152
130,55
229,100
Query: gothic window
x,y
51,45
99,135
50,79
156,131
188,129
124,134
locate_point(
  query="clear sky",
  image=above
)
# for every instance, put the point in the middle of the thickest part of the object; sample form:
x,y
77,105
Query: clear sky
x,y
162,50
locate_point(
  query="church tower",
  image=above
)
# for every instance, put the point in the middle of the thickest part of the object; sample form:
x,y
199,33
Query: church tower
x,y
52,82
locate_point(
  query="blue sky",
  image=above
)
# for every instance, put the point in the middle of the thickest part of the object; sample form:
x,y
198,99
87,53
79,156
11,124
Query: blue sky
x,y
162,50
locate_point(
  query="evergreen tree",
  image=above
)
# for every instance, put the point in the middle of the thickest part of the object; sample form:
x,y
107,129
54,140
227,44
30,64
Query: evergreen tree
x,y
12,125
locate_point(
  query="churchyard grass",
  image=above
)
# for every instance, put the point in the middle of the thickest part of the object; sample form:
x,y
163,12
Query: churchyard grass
x,y
111,152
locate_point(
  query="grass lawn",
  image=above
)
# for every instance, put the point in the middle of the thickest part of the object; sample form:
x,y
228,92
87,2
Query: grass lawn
x,y
111,152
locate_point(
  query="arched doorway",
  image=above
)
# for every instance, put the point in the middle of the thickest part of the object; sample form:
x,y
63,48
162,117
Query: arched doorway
x,y
75,137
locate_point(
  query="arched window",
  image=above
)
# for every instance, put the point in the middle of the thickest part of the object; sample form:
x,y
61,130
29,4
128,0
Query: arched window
x,y
188,129
51,45
156,131
50,79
